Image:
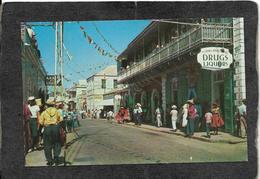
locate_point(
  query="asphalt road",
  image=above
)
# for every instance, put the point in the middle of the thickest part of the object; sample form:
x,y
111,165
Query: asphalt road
x,y
105,143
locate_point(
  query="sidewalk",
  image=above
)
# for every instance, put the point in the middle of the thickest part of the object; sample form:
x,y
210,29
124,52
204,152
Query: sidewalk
x,y
222,137
37,158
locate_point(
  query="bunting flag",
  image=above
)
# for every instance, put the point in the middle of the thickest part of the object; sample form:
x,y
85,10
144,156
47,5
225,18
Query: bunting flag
x,y
90,41
85,34
104,39
82,28
96,46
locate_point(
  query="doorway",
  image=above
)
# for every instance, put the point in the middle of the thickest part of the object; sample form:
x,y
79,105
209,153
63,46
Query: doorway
x,y
218,91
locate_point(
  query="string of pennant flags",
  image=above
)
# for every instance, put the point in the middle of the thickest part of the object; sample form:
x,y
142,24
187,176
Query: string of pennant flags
x,y
104,39
96,46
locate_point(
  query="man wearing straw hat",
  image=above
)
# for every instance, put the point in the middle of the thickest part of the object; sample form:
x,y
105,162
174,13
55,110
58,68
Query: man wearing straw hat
x,y
50,119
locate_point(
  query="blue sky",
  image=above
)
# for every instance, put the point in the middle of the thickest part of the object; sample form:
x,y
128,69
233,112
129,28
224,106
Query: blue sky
x,y
85,58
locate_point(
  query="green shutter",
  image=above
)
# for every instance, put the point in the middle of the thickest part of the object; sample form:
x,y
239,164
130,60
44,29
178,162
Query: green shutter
x,y
182,90
228,102
206,89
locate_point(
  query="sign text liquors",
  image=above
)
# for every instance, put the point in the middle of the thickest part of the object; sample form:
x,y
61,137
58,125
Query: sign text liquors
x,y
214,58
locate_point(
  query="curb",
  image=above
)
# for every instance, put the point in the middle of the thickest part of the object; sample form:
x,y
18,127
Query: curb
x,y
192,137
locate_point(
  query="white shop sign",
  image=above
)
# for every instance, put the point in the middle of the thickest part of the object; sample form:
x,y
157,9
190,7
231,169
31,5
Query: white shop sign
x,y
214,58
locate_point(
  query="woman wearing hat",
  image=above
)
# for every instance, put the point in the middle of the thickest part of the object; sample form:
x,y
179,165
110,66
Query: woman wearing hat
x,y
34,122
174,116
217,120
50,119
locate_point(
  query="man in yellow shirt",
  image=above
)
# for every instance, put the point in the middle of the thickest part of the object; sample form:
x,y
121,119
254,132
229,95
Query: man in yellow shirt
x,y
50,119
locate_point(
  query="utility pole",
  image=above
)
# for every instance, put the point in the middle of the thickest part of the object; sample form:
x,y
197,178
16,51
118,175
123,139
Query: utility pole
x,y
61,58
56,56
58,64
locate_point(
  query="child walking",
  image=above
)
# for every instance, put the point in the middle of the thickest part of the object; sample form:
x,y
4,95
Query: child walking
x,y
208,118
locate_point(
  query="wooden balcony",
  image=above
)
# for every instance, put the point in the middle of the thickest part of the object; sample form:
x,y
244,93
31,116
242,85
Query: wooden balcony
x,y
211,34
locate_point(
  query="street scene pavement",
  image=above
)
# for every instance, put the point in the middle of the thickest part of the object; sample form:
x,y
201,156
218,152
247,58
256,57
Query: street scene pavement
x,y
101,142
185,85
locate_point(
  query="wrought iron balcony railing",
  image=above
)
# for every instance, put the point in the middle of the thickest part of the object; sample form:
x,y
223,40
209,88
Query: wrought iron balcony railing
x,y
201,34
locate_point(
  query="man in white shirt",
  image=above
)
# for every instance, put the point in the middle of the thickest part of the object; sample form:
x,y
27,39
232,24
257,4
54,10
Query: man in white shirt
x,y
174,116
110,115
34,122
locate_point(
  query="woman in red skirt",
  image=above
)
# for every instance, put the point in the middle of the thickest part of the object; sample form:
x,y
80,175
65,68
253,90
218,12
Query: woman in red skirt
x,y
217,120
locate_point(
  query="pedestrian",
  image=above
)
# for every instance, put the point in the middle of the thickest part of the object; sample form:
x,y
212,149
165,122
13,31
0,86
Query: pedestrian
x,y
174,116
135,111
98,113
191,117
27,131
121,114
241,119
139,114
59,107
41,128
50,119
184,115
208,119
217,120
70,121
198,117
75,120
158,117
34,122
110,115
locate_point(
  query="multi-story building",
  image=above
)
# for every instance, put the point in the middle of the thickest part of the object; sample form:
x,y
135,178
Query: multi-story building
x,y
70,97
98,85
81,94
33,71
160,67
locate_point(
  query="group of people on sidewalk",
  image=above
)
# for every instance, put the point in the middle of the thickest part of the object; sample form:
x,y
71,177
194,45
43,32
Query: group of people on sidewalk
x,y
190,117
50,123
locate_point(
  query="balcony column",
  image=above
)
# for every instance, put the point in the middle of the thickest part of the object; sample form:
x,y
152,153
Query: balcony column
x,y
164,77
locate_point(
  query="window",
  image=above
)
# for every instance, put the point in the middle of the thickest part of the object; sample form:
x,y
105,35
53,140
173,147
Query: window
x,y
115,83
103,84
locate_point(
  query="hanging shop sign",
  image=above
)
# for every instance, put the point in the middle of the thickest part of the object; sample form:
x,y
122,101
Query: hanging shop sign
x,y
50,80
214,58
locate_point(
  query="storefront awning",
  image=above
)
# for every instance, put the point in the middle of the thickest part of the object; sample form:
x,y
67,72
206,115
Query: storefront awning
x,y
108,102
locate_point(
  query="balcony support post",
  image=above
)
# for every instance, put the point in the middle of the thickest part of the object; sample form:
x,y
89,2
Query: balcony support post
x,y
164,77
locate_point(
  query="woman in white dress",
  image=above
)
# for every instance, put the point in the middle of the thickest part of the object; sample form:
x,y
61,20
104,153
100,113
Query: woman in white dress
x,y
158,117
185,115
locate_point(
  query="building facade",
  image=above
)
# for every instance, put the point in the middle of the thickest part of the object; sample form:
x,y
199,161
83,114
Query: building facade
x,y
98,85
160,67
81,94
33,71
